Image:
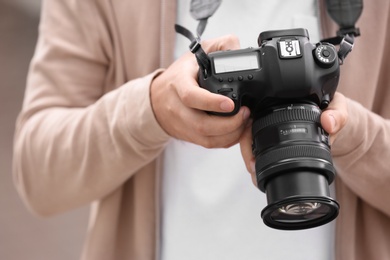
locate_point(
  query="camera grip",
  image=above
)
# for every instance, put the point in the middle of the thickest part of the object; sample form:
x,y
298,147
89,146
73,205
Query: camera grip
x,y
218,87
232,113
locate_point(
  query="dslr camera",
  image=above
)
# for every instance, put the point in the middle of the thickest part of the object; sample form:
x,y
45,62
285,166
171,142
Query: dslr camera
x,y
286,82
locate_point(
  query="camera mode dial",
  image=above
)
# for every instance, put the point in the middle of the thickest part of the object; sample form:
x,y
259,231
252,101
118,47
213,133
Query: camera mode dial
x,y
325,55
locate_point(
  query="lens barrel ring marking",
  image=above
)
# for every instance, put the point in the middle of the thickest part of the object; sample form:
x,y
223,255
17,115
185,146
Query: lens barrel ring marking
x,y
292,153
288,138
287,115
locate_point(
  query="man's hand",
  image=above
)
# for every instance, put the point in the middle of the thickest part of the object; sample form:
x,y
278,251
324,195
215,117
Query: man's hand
x,y
179,104
333,119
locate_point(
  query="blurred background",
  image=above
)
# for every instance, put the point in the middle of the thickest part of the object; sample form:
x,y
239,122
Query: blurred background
x,y
23,235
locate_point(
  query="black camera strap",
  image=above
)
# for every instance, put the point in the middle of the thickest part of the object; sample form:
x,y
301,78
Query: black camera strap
x,y
196,48
201,10
345,13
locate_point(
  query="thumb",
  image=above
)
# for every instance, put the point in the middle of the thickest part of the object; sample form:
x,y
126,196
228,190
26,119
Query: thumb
x,y
335,116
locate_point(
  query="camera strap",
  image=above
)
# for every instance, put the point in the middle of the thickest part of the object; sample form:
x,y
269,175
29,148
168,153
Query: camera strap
x,y
195,48
345,13
201,10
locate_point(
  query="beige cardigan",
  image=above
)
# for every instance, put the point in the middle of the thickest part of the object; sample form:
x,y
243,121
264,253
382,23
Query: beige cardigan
x,y
87,133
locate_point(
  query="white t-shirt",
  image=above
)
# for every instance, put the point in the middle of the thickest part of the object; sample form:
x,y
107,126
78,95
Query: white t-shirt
x,y
210,208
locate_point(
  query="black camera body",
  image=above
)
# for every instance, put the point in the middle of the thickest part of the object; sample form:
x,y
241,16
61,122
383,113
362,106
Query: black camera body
x,y
285,82
286,66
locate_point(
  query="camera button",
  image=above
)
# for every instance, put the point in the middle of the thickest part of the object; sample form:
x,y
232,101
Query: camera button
x,y
230,79
240,78
325,53
250,76
220,79
224,90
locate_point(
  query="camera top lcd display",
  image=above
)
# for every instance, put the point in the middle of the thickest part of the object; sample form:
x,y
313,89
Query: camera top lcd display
x,y
236,62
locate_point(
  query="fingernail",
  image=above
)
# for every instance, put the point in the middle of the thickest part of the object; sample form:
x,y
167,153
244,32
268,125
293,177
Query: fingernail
x,y
227,106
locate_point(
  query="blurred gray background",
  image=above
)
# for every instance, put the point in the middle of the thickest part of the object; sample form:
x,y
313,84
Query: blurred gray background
x,y
23,235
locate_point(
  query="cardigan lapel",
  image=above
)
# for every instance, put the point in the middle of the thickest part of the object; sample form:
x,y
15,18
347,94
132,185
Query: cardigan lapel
x,y
168,19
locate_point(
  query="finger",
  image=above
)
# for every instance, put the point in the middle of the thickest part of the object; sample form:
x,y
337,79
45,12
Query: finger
x,y
246,152
208,131
336,115
192,95
246,148
212,125
199,98
221,141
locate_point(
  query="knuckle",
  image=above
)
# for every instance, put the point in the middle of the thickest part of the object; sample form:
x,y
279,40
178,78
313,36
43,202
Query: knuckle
x,y
226,42
229,41
208,143
232,38
185,95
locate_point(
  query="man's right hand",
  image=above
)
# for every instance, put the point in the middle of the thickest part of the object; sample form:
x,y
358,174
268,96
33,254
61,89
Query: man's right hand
x,y
179,104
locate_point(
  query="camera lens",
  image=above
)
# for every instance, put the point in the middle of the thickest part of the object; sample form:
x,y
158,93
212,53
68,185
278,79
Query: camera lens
x,y
307,213
294,167
295,209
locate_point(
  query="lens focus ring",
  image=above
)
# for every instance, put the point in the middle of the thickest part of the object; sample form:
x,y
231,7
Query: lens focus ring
x,y
288,114
292,153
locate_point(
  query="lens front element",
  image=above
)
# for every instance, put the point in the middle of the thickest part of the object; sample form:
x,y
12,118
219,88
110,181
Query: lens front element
x,y
300,213
298,209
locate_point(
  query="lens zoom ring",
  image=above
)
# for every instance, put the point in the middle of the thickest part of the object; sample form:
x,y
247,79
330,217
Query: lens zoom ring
x,y
291,153
287,115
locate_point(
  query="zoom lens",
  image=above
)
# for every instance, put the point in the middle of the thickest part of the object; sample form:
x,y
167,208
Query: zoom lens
x,y
294,167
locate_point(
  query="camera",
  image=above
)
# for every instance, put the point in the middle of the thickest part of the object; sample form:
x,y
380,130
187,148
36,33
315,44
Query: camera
x,y
286,82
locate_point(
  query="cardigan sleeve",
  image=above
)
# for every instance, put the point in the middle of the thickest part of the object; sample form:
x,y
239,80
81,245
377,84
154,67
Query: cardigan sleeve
x,y
361,156
73,142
